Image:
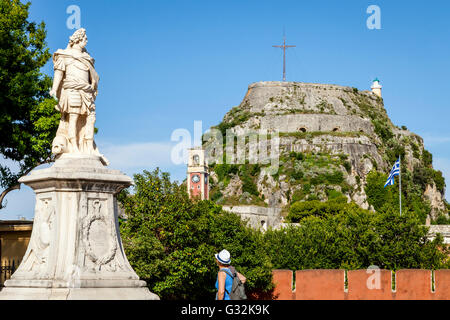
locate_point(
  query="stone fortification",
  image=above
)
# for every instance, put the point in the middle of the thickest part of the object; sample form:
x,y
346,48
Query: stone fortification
x,y
341,132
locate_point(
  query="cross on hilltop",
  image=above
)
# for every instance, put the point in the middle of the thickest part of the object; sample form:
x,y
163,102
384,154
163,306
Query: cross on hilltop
x,y
284,46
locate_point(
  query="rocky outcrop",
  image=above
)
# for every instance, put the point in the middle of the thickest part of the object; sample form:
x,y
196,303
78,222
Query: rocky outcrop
x,y
435,198
330,138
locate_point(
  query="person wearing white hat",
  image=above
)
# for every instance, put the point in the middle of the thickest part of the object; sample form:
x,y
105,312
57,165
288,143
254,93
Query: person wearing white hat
x,y
224,281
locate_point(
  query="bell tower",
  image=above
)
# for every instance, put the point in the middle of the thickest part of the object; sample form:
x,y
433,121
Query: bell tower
x,y
197,174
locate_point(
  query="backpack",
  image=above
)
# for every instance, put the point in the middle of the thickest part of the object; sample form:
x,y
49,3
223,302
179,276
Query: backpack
x,y
237,288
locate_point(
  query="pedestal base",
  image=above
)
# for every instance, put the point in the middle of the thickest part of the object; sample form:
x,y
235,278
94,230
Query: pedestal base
x,y
75,251
77,294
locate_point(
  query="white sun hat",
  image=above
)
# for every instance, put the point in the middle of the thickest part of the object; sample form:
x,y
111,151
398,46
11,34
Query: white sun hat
x,y
223,257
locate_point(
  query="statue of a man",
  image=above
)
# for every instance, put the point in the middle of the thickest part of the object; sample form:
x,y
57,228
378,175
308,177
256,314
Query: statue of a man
x,y
75,87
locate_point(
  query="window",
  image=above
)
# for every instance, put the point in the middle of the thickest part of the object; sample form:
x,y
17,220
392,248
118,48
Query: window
x,y
196,159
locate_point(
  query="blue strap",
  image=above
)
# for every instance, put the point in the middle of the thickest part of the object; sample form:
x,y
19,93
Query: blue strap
x,y
228,273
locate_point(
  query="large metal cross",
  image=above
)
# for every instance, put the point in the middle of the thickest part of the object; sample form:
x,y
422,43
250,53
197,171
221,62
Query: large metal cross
x,y
284,46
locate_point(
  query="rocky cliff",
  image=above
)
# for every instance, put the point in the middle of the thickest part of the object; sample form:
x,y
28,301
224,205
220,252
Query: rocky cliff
x,y
331,138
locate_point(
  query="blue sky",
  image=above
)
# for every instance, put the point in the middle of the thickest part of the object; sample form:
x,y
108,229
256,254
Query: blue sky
x,y
165,64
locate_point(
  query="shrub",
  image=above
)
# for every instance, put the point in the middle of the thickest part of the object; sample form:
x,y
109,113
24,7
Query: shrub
x,y
347,165
297,196
247,173
422,176
377,195
383,130
333,194
249,186
427,158
336,177
306,188
216,196
355,238
312,197
320,179
296,155
224,170
301,210
439,180
297,175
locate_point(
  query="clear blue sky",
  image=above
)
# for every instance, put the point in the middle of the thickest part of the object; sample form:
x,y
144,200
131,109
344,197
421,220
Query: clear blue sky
x,y
164,64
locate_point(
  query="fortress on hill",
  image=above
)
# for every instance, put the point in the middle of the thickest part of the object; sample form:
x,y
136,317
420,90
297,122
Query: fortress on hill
x,y
330,138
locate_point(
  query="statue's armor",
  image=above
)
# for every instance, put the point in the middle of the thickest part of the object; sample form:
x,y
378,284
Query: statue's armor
x,y
76,69
77,93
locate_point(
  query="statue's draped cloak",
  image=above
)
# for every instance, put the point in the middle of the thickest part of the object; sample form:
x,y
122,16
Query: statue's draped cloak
x,y
87,91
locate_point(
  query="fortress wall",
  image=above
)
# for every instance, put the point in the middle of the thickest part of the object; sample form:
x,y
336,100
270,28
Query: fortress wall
x,y
442,229
326,284
259,93
316,122
257,216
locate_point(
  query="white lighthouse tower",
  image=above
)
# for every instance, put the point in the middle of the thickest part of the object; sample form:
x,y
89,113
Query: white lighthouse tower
x,y
376,87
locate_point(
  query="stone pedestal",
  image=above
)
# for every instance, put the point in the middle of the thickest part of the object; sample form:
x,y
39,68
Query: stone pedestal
x,y
75,250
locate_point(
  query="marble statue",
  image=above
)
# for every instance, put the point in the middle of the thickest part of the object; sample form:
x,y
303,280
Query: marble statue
x,y
75,87
75,250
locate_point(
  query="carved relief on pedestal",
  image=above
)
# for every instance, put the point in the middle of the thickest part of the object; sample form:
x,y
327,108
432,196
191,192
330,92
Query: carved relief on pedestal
x,y
99,236
37,256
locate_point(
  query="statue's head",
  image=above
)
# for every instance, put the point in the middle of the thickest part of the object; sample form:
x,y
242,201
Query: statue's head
x,y
79,37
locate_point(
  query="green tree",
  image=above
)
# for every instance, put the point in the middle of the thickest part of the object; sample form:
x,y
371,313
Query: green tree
x,y
355,239
379,196
170,240
302,209
28,120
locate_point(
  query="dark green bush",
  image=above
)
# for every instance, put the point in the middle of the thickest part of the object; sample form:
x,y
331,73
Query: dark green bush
x,y
427,158
355,239
303,209
297,175
383,130
296,155
347,165
336,177
439,180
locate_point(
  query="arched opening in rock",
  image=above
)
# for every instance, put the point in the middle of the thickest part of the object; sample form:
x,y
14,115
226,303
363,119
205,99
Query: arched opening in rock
x,y
302,129
263,225
335,129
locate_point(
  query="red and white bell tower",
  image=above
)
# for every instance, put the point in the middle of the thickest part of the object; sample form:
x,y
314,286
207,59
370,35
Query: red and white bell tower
x,y
197,174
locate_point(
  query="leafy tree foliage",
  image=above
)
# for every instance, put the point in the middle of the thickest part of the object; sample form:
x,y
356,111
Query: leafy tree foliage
x,y
170,240
302,209
356,238
377,195
28,121
413,187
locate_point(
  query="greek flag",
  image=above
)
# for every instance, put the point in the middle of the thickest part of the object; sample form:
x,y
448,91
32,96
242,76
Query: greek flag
x,y
395,171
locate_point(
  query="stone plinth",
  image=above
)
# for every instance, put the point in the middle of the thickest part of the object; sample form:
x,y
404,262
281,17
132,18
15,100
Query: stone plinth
x,y
75,250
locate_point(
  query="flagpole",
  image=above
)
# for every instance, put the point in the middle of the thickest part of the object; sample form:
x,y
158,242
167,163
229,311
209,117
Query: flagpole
x,y
400,183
